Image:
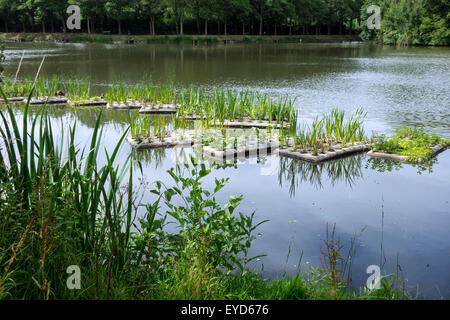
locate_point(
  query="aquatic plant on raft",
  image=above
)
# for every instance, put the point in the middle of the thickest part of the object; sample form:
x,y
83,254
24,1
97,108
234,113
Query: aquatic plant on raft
x,y
409,145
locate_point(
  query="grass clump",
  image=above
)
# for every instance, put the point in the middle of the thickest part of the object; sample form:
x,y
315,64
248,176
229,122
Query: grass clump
x,y
411,142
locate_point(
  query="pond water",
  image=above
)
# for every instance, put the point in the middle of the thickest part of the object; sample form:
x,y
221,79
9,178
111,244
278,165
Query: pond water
x,y
399,214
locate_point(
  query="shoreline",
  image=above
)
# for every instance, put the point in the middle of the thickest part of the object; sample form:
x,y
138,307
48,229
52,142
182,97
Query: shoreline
x,y
194,39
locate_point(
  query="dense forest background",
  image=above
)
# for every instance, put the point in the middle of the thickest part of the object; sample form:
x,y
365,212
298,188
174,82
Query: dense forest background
x,y
405,22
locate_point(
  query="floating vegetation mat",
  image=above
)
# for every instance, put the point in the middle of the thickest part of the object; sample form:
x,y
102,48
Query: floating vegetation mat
x,y
37,101
13,100
88,103
434,151
249,149
242,123
48,100
124,105
408,145
165,140
228,144
331,136
220,144
333,152
160,109
219,105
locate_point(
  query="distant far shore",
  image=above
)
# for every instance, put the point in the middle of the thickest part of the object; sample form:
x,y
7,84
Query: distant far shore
x,y
194,39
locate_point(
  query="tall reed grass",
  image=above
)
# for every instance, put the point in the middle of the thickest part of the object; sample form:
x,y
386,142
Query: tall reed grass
x,y
329,130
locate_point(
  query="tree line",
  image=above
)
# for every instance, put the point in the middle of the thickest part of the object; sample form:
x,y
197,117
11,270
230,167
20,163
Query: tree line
x,y
186,16
411,21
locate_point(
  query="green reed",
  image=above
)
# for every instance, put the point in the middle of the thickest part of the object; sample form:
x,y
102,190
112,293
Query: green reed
x,y
328,130
77,89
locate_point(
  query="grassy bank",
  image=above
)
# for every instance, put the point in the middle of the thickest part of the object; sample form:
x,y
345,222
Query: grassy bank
x,y
62,208
201,39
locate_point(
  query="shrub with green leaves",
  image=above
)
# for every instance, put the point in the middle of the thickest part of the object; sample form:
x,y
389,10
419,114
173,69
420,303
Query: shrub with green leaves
x,y
205,227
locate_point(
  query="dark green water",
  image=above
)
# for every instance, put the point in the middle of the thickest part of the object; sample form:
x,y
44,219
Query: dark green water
x,y
396,86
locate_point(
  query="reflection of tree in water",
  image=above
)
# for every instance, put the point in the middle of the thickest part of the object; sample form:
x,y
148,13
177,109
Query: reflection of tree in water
x,y
55,112
383,165
86,116
120,119
295,172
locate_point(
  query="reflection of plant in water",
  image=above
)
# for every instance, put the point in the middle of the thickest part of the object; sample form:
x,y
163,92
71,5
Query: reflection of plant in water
x,y
154,157
383,165
181,155
296,172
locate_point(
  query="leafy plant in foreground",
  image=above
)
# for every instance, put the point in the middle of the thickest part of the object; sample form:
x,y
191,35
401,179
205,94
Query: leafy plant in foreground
x,y
206,227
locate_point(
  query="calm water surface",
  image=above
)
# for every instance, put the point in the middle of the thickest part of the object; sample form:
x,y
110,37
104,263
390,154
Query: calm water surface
x,y
402,210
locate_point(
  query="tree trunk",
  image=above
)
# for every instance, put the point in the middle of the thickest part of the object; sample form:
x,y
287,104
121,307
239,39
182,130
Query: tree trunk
x,y
63,24
351,26
120,26
329,28
260,23
218,28
88,24
153,27
243,28
276,30
52,26
198,23
206,27
43,26
225,28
